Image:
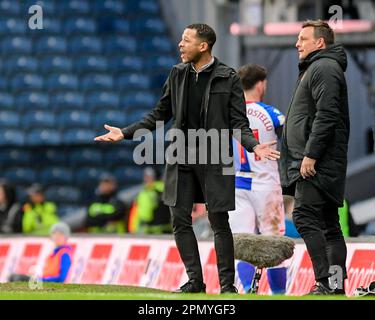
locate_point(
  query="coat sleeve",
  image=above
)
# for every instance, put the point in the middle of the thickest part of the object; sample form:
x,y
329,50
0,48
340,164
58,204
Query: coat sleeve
x,y
161,112
325,90
238,118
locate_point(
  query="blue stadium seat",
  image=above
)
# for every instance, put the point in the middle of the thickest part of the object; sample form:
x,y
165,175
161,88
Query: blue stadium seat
x,y
150,7
24,81
85,156
51,45
74,119
137,81
9,119
51,156
129,175
114,118
160,62
75,7
23,176
127,64
78,136
97,82
159,44
89,175
136,114
86,44
139,99
56,175
32,100
63,81
110,7
12,26
119,156
3,83
109,24
18,64
123,44
68,100
6,100
148,26
51,26
14,45
80,25
63,194
38,119
48,6
102,99
51,64
10,7
42,137
15,156
91,64
15,137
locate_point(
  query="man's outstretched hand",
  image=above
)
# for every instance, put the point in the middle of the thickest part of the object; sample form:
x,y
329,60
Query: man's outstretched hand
x,y
265,151
113,135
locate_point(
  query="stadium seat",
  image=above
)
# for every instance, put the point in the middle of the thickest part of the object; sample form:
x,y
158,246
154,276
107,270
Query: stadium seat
x,y
74,119
127,64
159,44
63,194
15,137
43,137
9,119
89,175
48,6
78,136
32,100
6,100
133,81
114,118
38,119
63,81
55,63
56,175
16,45
94,82
25,176
74,7
17,64
136,114
80,25
145,7
10,7
51,26
3,83
85,45
15,156
102,99
68,100
49,156
13,26
148,26
121,44
110,7
160,63
91,64
113,25
51,45
24,81
139,99
86,156
119,156
129,175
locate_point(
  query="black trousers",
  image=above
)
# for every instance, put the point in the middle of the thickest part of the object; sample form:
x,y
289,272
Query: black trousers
x,y
191,181
317,220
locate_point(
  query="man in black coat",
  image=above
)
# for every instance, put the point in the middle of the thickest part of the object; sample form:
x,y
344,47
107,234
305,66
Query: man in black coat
x,y
201,93
314,152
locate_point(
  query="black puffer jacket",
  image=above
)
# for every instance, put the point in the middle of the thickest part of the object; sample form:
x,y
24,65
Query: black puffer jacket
x,y
317,123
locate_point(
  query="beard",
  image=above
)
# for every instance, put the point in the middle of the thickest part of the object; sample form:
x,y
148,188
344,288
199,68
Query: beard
x,y
192,58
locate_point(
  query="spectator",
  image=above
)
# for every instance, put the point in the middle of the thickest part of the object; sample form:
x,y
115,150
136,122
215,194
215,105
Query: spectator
x,y
107,213
10,210
38,214
149,215
57,265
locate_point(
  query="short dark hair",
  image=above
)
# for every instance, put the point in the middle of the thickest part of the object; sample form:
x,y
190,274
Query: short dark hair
x,y
250,74
321,30
204,32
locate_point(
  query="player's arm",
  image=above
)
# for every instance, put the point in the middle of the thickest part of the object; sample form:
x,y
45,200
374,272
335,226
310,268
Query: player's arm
x,y
161,112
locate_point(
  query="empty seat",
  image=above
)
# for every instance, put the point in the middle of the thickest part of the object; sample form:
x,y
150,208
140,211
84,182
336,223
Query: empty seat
x,y
51,45
120,44
14,45
50,156
136,81
87,44
12,26
15,156
129,175
97,82
10,7
39,119
148,26
80,25
150,7
51,26
160,62
74,119
51,64
160,44
42,137
6,100
56,175
3,83
68,100
91,64
119,156
23,176
18,64
9,119
74,7
63,81
78,136
15,137
114,118
63,194
110,7
89,175
27,81
126,64
32,100
113,25
102,99
86,156
139,99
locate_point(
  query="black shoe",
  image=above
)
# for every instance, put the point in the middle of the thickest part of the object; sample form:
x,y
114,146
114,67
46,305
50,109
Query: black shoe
x,y
229,289
192,287
319,289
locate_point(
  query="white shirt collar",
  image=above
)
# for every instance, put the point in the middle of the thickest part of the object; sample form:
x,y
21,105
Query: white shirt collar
x,y
205,66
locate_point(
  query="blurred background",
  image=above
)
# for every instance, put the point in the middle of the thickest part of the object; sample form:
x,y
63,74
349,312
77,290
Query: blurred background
x,y
105,61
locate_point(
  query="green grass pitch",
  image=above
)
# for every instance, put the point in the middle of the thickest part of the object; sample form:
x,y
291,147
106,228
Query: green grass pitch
x,y
21,291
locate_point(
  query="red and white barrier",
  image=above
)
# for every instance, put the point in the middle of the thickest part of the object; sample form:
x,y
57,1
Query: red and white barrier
x,y
155,263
